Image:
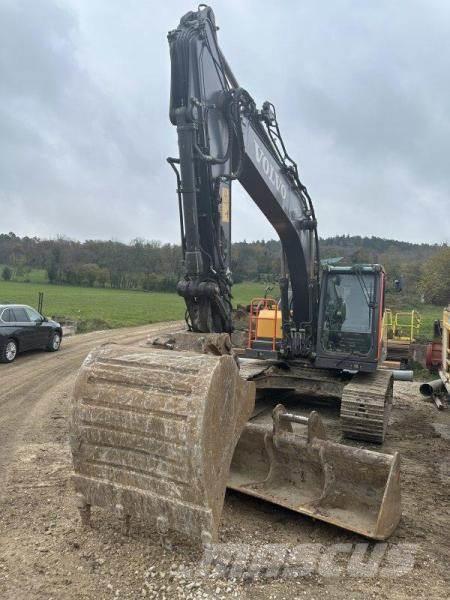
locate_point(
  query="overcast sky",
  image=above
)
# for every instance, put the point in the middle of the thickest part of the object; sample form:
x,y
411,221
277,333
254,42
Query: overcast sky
x,y
362,90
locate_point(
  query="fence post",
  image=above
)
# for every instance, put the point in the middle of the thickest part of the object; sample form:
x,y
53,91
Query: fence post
x,y
40,302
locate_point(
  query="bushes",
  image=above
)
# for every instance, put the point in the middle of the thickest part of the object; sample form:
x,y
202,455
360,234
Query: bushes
x,y
91,275
7,274
159,283
435,280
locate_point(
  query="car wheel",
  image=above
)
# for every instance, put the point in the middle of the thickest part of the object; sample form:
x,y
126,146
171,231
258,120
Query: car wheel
x,y
9,351
55,342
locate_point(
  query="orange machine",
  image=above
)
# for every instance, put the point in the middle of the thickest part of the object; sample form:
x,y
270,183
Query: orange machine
x,y
265,326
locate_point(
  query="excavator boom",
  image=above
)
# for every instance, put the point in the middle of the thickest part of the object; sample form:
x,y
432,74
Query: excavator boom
x,y
222,137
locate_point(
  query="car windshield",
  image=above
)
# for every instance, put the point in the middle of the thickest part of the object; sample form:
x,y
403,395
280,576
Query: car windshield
x,y
347,317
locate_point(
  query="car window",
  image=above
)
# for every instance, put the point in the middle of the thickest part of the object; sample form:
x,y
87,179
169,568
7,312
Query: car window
x,y
33,315
7,316
21,315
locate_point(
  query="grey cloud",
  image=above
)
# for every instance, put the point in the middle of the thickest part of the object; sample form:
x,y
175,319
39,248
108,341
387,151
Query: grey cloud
x,y
361,90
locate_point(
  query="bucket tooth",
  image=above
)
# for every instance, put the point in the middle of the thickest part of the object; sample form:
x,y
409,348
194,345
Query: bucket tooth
x,y
349,487
153,433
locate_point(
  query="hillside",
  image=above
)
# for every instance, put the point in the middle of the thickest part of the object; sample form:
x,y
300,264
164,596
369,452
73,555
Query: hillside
x,y
150,265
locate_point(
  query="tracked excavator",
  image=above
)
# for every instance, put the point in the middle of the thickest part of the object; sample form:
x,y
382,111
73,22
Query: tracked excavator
x,y
159,431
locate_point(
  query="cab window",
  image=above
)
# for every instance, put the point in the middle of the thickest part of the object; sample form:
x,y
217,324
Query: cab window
x,y
21,315
348,313
7,316
33,315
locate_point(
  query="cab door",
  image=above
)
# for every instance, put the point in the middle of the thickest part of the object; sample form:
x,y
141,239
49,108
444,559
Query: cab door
x,y
42,331
25,329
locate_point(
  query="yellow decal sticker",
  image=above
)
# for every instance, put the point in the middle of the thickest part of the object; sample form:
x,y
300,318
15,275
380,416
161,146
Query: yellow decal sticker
x,y
225,204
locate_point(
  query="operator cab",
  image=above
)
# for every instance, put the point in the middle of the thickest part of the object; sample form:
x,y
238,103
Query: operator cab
x,y
350,334
351,309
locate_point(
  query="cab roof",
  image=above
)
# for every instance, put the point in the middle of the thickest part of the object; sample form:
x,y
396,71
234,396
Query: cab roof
x,y
355,269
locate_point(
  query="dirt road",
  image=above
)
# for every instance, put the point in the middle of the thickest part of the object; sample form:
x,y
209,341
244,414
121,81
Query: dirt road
x,y
45,554
28,383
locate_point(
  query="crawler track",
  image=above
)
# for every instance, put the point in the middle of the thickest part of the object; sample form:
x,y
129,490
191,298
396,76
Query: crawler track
x,y
366,406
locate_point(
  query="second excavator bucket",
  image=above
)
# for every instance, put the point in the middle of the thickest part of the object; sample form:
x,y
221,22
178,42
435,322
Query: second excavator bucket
x,y
349,487
153,434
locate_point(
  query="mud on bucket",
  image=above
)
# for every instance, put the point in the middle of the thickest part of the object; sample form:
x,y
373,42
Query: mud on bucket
x,y
153,433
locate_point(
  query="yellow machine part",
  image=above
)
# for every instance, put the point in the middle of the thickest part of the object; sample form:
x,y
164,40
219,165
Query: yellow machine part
x,y
265,325
402,326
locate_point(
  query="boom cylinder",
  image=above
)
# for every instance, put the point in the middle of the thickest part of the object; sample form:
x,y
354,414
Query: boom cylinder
x,y
186,139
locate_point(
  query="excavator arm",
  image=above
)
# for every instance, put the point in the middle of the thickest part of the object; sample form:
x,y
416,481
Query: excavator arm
x,y
222,136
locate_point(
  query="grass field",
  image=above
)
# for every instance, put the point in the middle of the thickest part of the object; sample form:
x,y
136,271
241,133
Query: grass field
x,y
32,276
97,308
428,315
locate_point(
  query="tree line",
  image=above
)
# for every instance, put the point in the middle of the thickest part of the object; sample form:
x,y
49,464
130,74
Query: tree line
x,y
153,266
146,265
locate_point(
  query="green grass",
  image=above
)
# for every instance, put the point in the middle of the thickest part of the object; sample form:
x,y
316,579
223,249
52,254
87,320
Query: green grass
x,y
428,314
32,276
243,293
97,308
110,308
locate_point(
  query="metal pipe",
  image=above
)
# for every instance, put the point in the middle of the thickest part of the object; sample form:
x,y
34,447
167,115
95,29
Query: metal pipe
x,y
294,418
401,375
284,297
430,388
229,73
172,162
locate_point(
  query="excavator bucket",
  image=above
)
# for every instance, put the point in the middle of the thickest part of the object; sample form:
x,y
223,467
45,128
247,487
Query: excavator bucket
x,y
153,434
349,487
158,435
